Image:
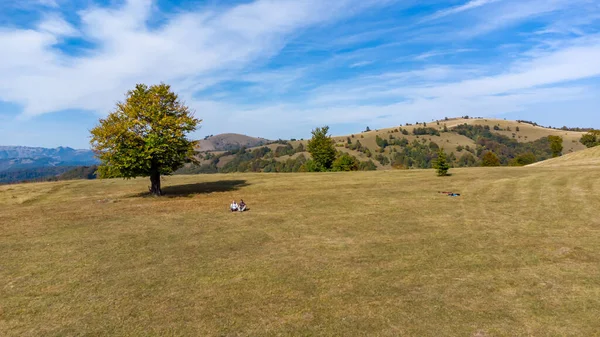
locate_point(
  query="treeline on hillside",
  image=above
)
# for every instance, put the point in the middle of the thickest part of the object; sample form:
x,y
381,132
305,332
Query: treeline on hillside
x,y
51,173
491,149
263,159
32,174
507,150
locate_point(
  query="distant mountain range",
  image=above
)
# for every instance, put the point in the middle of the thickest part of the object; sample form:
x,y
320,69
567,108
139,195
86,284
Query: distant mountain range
x,y
22,157
25,163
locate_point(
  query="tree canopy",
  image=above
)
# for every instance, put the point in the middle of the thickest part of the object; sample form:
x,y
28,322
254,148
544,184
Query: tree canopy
x,y
441,165
556,145
591,138
490,159
345,162
322,148
145,135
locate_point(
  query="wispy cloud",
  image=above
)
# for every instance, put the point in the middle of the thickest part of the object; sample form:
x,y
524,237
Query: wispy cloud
x,y
271,68
434,53
458,9
49,3
190,45
438,91
360,64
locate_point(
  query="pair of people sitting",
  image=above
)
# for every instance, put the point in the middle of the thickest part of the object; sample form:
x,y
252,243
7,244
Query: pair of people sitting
x,y
238,207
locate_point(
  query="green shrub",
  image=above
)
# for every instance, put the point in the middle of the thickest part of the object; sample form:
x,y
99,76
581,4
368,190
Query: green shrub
x,y
345,162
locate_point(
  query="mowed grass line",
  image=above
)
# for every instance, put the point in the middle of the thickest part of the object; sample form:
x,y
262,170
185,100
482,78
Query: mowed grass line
x,y
366,253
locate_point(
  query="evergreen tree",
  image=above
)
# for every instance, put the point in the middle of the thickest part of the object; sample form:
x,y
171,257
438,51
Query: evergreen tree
x,y
441,165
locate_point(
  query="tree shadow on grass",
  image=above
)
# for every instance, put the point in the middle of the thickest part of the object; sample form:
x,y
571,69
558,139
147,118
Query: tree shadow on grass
x,y
189,190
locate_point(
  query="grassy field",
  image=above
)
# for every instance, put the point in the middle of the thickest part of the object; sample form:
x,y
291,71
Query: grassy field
x,y
368,253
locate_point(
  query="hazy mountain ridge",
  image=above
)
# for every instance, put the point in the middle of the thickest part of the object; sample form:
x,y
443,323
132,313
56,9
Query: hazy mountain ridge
x,y
59,154
25,163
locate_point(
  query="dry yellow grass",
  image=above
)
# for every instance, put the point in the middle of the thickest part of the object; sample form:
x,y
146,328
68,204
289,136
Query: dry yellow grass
x,y
367,253
587,157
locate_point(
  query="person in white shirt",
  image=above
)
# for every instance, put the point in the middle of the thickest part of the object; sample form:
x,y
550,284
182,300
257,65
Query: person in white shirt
x,y
234,206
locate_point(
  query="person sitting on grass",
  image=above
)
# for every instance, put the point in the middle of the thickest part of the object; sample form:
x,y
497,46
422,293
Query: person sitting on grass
x,y
242,206
234,206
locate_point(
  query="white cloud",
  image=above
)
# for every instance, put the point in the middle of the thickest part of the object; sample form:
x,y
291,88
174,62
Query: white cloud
x,y
192,47
56,26
536,78
212,46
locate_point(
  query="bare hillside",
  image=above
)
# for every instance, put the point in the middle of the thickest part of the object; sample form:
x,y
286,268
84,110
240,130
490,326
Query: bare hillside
x,y
228,141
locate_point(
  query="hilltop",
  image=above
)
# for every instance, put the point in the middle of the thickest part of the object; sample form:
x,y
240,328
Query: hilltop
x,y
228,141
465,140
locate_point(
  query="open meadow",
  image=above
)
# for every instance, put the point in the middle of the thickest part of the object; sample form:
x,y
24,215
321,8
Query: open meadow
x,y
378,253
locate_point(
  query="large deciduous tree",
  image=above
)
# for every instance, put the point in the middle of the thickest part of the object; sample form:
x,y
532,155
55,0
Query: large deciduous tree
x,y
146,135
322,148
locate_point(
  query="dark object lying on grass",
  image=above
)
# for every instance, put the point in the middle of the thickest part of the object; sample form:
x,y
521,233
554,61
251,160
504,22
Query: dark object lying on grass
x,y
451,194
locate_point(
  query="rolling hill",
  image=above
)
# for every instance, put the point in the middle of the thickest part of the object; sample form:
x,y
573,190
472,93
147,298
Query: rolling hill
x,y
228,141
408,146
403,146
587,157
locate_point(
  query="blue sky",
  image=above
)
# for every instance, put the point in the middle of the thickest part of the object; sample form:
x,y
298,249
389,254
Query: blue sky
x,y
278,68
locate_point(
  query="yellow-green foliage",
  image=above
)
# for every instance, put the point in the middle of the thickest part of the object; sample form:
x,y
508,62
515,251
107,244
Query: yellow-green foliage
x,y
556,144
145,134
321,148
591,138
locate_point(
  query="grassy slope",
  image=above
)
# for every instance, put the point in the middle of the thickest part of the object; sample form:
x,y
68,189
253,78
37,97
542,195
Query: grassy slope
x,y
377,253
448,141
587,157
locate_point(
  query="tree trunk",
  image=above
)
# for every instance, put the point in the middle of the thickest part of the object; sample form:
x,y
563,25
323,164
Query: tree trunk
x,y
155,181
